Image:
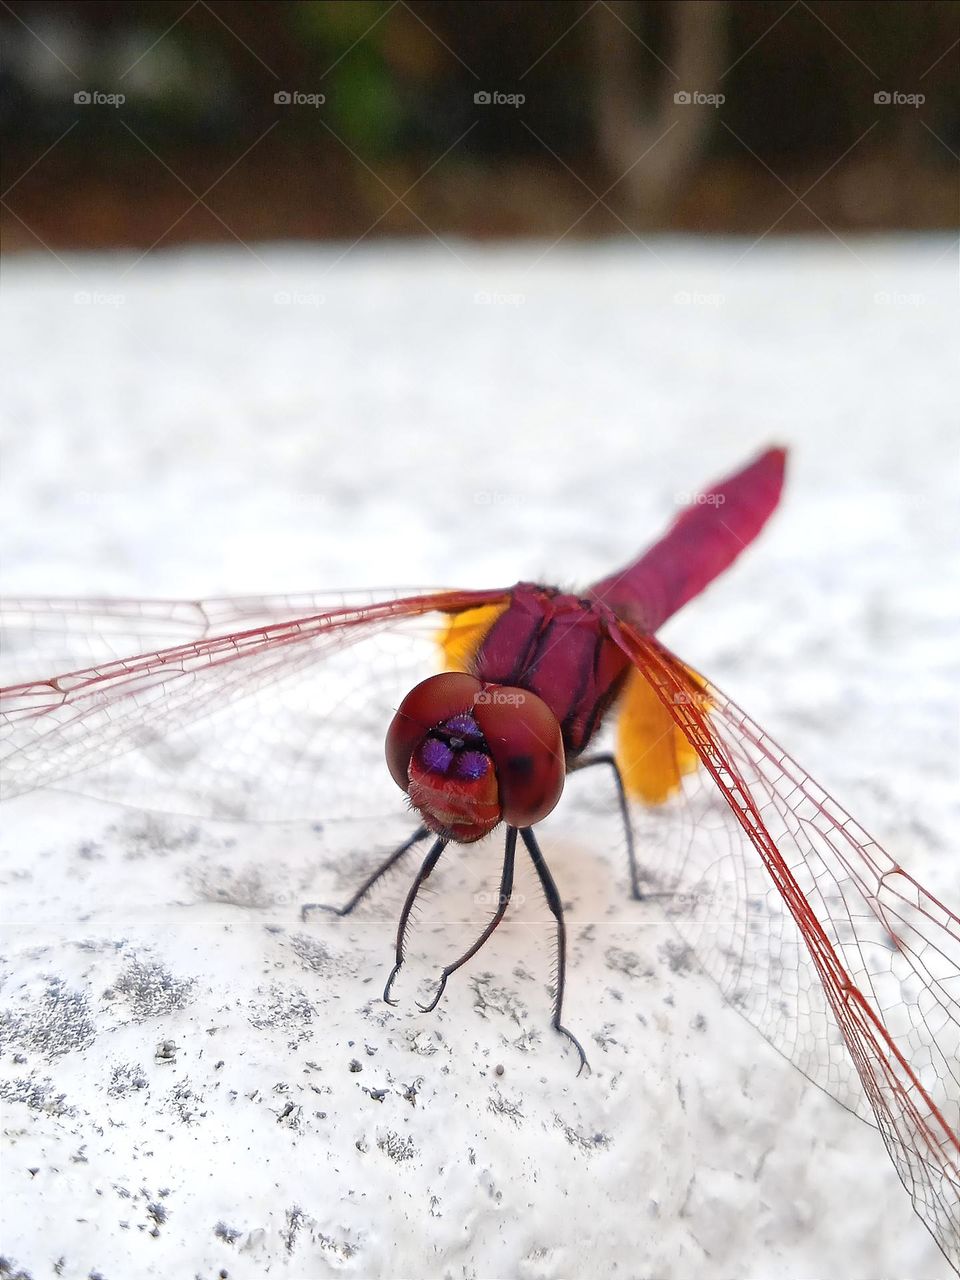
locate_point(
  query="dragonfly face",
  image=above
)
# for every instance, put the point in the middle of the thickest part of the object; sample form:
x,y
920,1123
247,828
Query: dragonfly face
x,y
471,754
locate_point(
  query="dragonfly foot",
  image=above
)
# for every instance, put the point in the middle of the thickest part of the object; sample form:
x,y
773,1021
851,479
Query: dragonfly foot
x,y
429,1008
576,1044
386,990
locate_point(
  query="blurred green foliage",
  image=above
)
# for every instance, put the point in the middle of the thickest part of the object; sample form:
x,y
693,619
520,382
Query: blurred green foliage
x,y
364,102
399,80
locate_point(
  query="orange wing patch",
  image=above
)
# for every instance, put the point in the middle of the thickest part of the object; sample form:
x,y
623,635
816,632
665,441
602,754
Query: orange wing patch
x,y
461,638
652,751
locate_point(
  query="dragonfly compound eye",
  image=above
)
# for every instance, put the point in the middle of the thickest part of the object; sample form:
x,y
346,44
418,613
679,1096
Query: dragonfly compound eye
x,y
470,755
526,746
436,753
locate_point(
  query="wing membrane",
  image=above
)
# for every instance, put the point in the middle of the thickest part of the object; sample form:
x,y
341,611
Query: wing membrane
x,y
276,708
829,947
229,722
68,633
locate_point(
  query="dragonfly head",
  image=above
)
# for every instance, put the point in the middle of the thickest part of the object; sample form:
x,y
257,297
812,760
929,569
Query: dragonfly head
x,y
470,755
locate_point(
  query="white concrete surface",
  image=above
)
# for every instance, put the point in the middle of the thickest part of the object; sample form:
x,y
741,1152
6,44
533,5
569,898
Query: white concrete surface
x,y
194,1083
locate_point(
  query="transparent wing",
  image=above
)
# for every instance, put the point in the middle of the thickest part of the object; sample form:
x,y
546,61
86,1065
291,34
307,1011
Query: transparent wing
x,y
230,708
829,947
44,634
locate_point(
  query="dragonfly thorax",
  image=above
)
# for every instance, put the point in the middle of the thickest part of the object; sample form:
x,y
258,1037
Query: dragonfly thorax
x,y
471,754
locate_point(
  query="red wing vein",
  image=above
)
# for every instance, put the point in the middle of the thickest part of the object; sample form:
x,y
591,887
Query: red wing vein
x,y
69,723
884,953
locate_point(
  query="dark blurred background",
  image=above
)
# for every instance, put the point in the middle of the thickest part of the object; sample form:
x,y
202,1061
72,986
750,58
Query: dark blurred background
x,y
164,123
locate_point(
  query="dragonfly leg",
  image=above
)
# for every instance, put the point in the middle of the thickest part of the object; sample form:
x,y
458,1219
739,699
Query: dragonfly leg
x,y
429,862
370,881
608,759
506,889
556,907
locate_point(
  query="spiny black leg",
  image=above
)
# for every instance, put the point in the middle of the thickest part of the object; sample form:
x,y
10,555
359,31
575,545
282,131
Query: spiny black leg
x,y
370,881
635,890
556,908
506,889
429,862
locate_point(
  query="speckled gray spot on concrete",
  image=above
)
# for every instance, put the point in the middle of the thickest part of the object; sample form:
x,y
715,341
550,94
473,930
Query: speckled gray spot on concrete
x,y
150,989
55,1021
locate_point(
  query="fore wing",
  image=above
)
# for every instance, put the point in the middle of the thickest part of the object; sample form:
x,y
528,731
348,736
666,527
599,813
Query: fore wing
x,y
232,708
829,947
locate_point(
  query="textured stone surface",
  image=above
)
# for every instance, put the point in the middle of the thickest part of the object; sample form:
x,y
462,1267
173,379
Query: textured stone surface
x,y
194,1082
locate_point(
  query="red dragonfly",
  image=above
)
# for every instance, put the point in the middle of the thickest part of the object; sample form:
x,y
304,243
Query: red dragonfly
x,y
846,964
